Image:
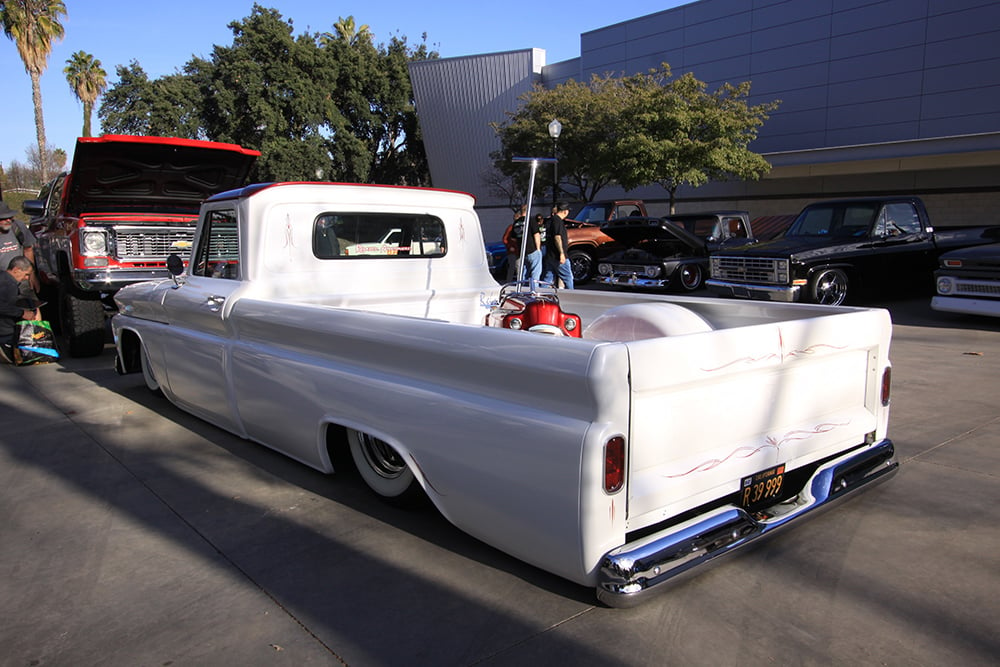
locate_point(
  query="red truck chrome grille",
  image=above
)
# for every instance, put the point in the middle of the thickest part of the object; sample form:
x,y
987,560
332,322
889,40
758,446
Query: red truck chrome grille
x,y
153,244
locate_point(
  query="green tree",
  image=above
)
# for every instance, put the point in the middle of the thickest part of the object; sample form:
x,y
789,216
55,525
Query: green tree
x,y
168,106
87,79
330,106
33,25
271,91
638,130
586,153
680,134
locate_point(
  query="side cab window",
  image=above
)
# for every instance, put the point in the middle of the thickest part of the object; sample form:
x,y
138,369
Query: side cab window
x,y
897,219
218,254
55,196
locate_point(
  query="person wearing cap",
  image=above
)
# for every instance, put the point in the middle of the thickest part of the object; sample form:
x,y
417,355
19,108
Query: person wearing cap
x,y
17,240
12,306
557,248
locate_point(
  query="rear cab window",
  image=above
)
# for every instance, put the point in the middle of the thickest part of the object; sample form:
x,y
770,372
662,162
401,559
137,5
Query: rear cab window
x,y
366,235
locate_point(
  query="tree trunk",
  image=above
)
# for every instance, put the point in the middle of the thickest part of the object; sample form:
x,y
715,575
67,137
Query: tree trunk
x,y
36,98
88,111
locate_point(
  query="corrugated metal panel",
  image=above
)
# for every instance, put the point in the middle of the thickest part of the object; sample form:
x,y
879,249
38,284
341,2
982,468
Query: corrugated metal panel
x,y
457,98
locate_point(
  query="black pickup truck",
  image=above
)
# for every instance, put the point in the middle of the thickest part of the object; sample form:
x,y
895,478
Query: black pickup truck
x,y
840,247
670,252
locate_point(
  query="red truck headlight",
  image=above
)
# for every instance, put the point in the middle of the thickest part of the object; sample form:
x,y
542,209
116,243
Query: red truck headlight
x,y
614,464
93,242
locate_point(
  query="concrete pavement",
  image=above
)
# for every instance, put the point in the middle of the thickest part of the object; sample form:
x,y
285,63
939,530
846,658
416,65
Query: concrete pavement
x,y
134,534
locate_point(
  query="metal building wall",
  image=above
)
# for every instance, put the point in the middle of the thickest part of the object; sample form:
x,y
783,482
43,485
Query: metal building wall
x,y
457,98
847,72
877,96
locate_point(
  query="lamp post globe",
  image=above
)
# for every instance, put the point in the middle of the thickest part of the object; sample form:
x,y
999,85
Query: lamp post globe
x,y
555,129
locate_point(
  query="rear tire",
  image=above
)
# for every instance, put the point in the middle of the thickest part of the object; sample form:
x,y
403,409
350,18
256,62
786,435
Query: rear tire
x,y
582,263
383,469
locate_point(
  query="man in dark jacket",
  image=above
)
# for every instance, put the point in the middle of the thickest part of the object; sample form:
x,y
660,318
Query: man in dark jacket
x,y
12,308
557,266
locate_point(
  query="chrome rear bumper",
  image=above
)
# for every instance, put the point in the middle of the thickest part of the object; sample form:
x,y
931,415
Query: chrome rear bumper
x,y
633,572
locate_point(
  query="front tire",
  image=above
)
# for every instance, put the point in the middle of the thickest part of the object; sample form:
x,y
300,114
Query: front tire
x,y
81,318
147,372
691,277
582,263
383,469
829,287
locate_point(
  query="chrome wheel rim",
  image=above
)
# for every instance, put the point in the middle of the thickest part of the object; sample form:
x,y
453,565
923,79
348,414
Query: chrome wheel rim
x,y
382,459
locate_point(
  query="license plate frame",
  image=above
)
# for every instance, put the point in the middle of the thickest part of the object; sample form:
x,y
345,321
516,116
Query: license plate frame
x,y
763,488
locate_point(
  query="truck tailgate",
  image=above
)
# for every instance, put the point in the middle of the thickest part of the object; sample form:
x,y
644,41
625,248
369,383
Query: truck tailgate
x,y
709,409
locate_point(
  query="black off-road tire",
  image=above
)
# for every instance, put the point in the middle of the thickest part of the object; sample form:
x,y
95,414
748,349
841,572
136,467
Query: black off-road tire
x,y
81,320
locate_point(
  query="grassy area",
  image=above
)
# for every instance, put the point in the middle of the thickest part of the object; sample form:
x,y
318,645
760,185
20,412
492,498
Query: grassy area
x,y
15,199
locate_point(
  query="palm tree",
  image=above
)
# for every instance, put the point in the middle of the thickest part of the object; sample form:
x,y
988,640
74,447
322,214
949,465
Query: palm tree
x,y
33,25
88,80
349,31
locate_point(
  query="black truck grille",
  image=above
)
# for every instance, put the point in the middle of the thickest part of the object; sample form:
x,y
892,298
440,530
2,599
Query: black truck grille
x,y
757,270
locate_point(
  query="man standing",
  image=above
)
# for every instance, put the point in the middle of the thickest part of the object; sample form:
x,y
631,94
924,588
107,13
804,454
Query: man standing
x,y
557,247
11,304
17,240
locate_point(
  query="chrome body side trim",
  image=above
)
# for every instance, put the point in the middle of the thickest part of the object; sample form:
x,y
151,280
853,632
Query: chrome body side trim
x,y
633,572
633,281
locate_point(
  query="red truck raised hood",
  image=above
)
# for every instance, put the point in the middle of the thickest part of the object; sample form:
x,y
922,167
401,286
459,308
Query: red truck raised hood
x,y
118,173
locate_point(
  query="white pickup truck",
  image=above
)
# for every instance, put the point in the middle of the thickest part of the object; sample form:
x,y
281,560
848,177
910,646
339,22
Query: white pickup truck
x,y
614,439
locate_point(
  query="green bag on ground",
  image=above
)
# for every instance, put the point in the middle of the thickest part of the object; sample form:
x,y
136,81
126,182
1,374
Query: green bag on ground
x,y
34,342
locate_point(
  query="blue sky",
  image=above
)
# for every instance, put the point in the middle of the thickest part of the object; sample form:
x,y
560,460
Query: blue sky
x,y
162,36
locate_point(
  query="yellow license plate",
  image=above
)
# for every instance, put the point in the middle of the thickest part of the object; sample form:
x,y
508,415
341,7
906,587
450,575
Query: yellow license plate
x,y
761,488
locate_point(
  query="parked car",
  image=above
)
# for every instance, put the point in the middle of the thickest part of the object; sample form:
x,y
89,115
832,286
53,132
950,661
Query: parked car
x,y
496,258
835,248
969,281
587,241
670,252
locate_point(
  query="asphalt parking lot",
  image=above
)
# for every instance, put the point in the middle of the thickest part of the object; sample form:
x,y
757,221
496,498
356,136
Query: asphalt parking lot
x,y
134,534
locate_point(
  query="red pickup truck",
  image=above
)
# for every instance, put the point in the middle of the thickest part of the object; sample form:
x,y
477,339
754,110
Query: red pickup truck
x,y
125,205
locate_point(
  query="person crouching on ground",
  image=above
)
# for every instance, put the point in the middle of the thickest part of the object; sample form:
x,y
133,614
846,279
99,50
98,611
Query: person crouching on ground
x,y
11,306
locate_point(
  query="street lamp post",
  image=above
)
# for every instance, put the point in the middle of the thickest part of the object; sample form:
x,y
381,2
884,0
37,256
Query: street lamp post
x,y
555,129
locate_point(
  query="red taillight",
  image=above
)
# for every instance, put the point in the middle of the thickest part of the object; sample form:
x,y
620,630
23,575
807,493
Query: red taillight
x,y
614,464
886,382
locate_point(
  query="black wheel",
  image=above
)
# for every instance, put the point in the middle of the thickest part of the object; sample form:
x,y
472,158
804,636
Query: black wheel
x,y
829,287
147,372
691,276
383,469
81,319
582,263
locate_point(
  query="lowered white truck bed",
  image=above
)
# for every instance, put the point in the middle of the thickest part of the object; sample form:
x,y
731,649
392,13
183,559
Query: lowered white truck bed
x,y
671,431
